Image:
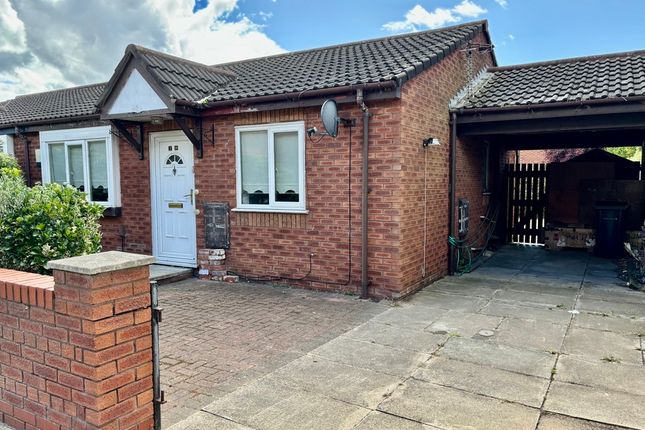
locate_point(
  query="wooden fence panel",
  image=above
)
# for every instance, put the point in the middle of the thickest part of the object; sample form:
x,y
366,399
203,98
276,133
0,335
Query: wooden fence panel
x,y
526,203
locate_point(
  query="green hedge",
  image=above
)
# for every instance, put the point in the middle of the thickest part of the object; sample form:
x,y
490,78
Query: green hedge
x,y
43,223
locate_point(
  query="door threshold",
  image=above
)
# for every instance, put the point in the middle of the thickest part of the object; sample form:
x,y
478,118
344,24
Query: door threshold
x,y
165,274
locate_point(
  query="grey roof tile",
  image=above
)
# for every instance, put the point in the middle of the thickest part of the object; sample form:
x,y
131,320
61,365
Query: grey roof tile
x,y
51,105
620,75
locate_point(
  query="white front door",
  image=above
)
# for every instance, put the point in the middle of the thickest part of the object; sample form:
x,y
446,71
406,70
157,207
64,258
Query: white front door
x,y
173,199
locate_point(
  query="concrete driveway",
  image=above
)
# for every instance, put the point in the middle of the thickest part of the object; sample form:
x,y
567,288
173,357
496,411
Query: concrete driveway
x,y
531,340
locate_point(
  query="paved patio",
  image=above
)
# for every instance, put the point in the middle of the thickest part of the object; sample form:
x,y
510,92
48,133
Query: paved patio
x,y
216,337
531,340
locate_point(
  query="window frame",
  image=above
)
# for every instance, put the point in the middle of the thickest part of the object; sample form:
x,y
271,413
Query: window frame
x,y
273,206
7,146
81,136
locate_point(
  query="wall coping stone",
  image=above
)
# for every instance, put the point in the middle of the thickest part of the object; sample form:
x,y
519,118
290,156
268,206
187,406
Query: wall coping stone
x,y
93,264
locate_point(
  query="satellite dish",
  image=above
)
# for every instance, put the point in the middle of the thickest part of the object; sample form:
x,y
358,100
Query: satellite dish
x,y
329,116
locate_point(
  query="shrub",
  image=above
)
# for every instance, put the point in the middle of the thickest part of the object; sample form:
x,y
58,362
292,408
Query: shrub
x,y
7,161
45,223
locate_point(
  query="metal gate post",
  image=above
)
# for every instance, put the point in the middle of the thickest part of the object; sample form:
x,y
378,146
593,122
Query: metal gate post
x,y
156,375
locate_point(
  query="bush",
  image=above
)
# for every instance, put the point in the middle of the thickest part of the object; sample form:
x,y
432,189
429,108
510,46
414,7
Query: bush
x,y
7,161
44,223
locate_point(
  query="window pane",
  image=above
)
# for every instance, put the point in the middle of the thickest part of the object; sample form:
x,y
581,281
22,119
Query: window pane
x,y
98,171
76,175
57,166
255,167
286,166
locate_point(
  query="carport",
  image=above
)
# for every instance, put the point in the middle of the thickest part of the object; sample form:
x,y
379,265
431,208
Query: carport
x,y
589,102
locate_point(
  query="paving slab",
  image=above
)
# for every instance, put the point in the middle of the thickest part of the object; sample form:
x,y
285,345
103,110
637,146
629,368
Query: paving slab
x,y
379,421
565,289
350,384
504,357
371,356
606,322
452,302
397,337
554,315
409,317
463,323
561,422
597,345
203,420
530,334
611,307
482,289
627,378
611,407
448,408
488,381
616,294
540,299
269,404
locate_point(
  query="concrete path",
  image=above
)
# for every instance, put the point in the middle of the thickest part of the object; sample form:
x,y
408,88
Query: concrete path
x,y
532,340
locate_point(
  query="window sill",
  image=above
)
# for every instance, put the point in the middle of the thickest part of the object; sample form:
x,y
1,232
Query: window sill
x,y
272,210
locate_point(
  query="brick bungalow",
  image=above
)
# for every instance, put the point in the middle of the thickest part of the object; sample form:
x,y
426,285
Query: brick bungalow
x,y
188,157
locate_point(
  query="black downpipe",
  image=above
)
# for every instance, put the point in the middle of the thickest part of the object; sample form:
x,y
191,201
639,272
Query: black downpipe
x,y
451,190
27,163
365,192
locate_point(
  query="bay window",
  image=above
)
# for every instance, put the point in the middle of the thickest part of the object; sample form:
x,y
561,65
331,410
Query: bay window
x,y
271,167
85,158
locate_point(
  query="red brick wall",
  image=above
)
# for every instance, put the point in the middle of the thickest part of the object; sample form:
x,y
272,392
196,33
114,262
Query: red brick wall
x,y
77,355
280,245
425,113
19,152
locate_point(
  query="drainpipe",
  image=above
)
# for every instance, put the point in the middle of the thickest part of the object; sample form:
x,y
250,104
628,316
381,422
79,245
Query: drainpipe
x,y
364,194
451,190
27,163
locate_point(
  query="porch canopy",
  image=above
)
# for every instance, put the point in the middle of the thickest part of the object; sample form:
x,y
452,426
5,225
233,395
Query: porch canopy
x,y
588,102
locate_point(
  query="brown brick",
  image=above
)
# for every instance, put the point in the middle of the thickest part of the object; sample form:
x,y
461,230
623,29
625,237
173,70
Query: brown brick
x,y
90,312
134,388
58,390
97,403
108,324
92,342
70,380
94,373
57,362
133,332
117,381
110,354
132,303
105,416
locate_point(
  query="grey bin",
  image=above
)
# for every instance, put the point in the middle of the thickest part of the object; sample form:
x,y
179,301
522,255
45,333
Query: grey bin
x,y
610,228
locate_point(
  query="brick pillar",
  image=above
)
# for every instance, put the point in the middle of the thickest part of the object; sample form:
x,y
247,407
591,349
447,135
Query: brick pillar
x,y
103,300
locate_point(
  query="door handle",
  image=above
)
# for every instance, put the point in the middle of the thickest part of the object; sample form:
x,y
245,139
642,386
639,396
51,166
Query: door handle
x,y
191,195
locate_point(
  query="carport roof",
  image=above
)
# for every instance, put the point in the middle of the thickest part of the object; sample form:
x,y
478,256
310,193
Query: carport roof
x,y
618,77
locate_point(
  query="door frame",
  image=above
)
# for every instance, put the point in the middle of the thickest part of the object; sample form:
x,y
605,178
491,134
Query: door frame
x,y
155,178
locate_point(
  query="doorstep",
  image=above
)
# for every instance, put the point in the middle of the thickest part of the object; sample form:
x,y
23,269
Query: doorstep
x,y
169,274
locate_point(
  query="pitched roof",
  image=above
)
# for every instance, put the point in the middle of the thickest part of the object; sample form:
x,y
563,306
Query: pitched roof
x,y
615,76
394,58
177,78
390,58
51,105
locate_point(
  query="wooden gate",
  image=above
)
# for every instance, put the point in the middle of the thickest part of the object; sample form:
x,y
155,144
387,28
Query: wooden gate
x,y
526,203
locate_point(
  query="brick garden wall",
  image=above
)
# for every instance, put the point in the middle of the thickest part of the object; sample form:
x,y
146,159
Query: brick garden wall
x,y
77,354
425,113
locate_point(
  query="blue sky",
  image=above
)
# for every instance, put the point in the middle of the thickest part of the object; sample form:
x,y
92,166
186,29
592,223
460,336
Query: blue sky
x,y
522,30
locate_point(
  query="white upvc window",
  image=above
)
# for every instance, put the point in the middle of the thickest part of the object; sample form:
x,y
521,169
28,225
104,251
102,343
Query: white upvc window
x,y
6,144
85,158
270,161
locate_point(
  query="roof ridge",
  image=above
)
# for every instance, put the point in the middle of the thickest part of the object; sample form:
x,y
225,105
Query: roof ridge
x,y
568,60
54,91
143,49
481,22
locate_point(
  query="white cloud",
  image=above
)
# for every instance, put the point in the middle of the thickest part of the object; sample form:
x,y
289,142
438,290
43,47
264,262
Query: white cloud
x,y
419,17
502,3
46,45
510,36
